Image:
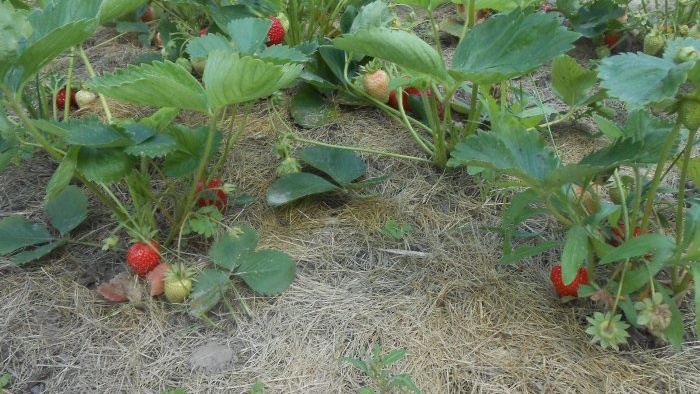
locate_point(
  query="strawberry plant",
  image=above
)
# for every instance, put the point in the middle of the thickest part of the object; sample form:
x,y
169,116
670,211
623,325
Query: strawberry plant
x,y
163,165
635,268
484,57
235,254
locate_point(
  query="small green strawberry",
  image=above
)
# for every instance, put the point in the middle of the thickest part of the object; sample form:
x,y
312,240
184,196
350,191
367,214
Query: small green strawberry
x,y
178,283
689,114
653,43
376,85
143,257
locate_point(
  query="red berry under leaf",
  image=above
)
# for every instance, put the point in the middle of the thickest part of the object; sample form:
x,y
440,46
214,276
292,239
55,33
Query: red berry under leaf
x,y
213,195
570,290
61,99
619,233
611,39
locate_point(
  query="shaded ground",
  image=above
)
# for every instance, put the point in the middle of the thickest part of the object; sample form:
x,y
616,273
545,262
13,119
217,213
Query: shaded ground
x,y
470,325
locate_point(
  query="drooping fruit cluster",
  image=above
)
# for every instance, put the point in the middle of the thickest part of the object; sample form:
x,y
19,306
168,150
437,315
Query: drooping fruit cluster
x,y
178,282
275,33
214,194
143,257
570,290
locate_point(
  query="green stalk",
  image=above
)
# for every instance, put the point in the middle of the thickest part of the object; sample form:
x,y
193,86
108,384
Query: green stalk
x,y
651,193
183,211
680,204
69,88
93,74
296,138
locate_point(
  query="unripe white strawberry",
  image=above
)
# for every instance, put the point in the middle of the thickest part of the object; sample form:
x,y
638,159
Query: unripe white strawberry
x,y
376,85
84,98
178,283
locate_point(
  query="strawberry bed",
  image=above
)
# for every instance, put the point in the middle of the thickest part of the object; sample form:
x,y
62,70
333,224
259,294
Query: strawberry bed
x,y
395,252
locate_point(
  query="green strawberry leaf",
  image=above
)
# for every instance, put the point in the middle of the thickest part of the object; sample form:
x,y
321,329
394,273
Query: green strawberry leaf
x,y
41,50
268,271
310,109
138,132
17,232
36,253
232,79
396,46
282,54
511,149
486,55
158,84
426,4
695,270
343,165
113,9
156,146
63,174
593,18
290,187
210,286
640,246
574,254
91,132
570,81
68,209
190,149
234,247
200,47
675,330
609,128
249,34
640,79
57,14
104,165
374,14
15,29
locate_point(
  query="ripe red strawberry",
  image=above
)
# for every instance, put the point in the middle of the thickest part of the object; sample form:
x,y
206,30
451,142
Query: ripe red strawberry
x,y
570,290
409,90
376,84
143,257
61,99
611,38
276,32
619,232
213,195
203,31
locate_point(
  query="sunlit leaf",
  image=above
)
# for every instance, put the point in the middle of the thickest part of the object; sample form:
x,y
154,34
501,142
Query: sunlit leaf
x,y
510,45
